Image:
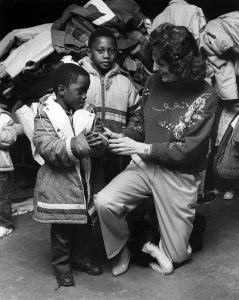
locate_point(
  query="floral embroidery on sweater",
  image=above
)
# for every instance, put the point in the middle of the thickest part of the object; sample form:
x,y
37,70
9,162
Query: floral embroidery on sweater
x,y
166,124
194,113
145,91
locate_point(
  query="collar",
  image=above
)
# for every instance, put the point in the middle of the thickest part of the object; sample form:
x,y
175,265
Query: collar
x,y
85,62
69,112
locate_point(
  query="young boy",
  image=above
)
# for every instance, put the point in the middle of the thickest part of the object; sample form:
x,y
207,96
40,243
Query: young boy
x,y
8,136
63,193
115,98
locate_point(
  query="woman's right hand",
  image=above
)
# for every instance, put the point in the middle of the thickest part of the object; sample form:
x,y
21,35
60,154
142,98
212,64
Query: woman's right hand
x,y
110,134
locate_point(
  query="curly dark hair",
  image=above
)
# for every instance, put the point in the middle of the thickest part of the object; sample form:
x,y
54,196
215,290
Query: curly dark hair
x,y
177,47
67,74
101,32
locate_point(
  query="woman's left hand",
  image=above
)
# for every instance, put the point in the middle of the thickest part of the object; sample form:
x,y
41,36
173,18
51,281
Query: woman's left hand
x,y
126,146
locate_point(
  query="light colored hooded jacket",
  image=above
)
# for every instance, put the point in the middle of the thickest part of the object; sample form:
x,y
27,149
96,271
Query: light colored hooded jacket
x,y
8,136
219,36
181,13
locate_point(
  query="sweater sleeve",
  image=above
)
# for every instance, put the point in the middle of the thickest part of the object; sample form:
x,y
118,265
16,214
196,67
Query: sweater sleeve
x,y
134,127
137,132
191,134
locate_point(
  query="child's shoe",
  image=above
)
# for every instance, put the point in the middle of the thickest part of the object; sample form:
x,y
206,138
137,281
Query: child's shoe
x,y
65,279
4,231
229,195
90,267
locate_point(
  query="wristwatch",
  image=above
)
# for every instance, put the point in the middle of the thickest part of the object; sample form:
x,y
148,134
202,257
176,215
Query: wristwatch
x,y
147,149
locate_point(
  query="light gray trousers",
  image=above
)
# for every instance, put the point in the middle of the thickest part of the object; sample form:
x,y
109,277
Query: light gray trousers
x,y
175,196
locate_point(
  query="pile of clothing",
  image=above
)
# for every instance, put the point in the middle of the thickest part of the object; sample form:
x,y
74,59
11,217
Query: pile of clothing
x,y
29,56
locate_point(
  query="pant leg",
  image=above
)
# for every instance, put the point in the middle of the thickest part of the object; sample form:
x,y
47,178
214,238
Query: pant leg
x,y
114,202
175,196
60,243
5,202
175,201
81,243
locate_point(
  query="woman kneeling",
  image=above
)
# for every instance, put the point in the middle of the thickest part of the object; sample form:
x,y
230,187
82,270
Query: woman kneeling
x,y
178,109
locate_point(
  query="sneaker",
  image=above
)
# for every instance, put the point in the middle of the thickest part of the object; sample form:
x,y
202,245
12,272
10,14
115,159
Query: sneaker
x,y
229,195
4,231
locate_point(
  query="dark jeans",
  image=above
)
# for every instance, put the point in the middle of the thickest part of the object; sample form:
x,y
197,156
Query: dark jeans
x,y
71,245
5,202
112,165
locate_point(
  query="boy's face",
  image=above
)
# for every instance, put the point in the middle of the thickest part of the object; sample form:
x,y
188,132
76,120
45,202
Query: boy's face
x,y
103,54
75,94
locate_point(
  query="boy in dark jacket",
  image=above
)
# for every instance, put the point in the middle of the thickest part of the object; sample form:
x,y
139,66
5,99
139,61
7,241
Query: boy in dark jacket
x,y
64,138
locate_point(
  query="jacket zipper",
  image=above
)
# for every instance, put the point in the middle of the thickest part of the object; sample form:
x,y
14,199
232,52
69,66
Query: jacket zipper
x,y
102,80
80,170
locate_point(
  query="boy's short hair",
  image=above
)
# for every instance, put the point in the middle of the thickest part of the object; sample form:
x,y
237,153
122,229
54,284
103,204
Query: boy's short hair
x,y
101,32
67,74
177,47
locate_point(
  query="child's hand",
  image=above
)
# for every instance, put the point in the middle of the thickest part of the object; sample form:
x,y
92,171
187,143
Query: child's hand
x,y
99,125
94,140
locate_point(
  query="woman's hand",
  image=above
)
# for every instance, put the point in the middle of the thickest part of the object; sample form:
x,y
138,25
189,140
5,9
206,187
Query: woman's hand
x,y
110,134
126,146
121,145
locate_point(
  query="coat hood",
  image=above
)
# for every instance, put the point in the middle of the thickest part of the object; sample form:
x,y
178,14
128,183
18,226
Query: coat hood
x,y
86,63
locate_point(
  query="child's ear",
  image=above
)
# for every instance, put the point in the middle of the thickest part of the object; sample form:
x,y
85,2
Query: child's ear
x,y
89,52
61,90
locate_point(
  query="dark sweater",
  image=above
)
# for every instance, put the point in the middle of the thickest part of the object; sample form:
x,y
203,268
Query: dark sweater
x,y
177,119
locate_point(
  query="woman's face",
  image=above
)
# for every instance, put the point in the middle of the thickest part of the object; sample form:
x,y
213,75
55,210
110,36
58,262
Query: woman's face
x,y
163,70
162,67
